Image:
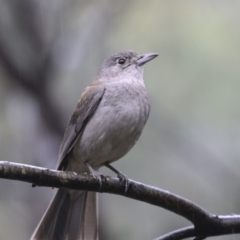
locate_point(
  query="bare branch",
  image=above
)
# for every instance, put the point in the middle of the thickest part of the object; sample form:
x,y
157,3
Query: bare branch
x,y
59,179
205,224
179,234
215,226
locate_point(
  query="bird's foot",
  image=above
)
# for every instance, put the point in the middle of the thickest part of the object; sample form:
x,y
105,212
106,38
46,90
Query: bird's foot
x,y
97,175
122,177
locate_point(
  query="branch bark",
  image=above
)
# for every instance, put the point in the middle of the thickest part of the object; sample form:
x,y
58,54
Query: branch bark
x,y
204,223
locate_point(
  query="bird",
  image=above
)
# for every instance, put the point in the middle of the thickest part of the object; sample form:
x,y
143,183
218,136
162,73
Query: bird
x,y
108,120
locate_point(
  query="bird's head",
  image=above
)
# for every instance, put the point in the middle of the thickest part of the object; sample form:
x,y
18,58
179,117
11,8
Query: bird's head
x,y
125,62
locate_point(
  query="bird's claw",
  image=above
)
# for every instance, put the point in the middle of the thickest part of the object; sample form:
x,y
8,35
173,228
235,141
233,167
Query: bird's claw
x,y
123,179
98,177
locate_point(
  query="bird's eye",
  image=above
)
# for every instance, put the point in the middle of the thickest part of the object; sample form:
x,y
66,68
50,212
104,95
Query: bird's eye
x,y
121,60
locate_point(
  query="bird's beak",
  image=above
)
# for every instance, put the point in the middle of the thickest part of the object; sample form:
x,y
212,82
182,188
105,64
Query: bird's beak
x,y
145,58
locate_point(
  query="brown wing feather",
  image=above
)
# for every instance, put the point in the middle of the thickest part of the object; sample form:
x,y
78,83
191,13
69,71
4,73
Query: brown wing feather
x,y
86,107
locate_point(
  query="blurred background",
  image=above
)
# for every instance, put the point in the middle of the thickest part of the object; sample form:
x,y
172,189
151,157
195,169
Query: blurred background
x,y
51,50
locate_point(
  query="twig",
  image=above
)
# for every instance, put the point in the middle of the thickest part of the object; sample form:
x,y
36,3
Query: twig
x,y
179,234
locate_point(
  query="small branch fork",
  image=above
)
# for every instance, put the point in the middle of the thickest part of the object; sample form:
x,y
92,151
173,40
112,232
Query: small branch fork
x,y
204,224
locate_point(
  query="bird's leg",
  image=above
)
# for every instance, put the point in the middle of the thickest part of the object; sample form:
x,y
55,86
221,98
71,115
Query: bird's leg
x,y
122,177
95,173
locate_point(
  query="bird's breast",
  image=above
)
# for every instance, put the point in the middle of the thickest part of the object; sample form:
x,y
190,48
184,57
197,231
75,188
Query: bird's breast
x,y
115,126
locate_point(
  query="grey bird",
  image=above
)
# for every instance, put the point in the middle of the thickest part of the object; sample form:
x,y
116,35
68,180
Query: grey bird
x,y
107,122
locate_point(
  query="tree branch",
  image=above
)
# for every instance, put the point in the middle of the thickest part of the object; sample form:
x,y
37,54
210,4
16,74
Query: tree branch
x,y
205,224
178,234
62,179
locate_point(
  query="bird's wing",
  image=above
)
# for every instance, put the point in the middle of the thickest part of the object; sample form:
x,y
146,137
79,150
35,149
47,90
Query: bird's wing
x,y
86,107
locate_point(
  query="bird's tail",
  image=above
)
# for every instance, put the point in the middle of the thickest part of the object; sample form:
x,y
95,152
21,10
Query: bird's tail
x,y
69,219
